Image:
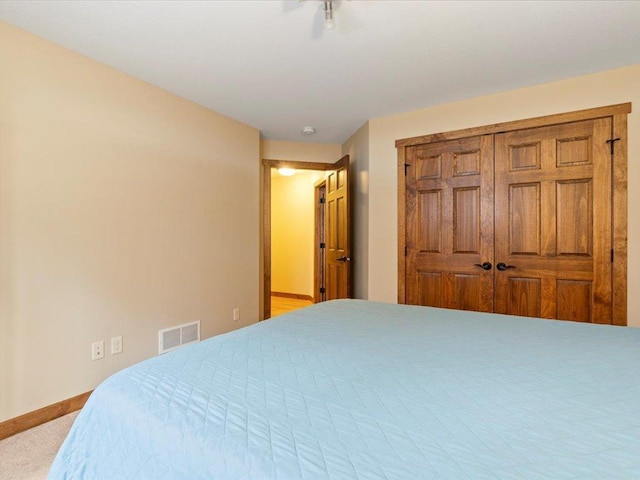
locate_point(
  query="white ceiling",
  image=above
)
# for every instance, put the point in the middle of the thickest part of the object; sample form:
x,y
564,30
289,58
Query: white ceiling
x,y
271,64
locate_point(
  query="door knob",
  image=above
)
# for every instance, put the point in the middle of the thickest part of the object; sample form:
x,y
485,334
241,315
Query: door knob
x,y
484,266
501,266
343,259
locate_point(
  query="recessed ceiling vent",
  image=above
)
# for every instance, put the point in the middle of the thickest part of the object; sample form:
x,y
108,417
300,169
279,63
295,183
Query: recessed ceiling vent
x,y
174,337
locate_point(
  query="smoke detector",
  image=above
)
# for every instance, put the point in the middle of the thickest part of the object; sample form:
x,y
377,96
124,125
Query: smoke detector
x,y
308,130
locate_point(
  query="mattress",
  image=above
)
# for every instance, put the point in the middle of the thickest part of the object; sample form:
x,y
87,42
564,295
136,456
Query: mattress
x,y
352,389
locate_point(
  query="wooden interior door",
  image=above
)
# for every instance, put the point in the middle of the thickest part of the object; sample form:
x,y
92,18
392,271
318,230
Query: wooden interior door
x,y
449,224
553,243
338,265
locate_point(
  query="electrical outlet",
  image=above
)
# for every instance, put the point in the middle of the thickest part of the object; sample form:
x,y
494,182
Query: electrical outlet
x,y
236,314
97,350
116,345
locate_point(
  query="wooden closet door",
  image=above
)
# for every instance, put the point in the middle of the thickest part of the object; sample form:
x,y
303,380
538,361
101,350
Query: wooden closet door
x,y
553,222
449,224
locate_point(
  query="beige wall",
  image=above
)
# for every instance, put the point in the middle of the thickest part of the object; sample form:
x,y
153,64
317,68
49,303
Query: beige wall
x,y
357,147
293,232
606,88
123,210
301,152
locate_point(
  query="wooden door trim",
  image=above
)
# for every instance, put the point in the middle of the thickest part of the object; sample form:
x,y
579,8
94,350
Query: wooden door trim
x,y
569,117
618,113
318,237
619,219
267,165
402,226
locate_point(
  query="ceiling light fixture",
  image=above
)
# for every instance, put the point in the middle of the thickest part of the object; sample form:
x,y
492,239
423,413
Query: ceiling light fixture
x,y
287,172
328,14
308,130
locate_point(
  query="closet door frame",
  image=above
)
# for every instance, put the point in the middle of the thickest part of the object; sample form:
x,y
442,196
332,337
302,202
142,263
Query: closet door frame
x,y
618,114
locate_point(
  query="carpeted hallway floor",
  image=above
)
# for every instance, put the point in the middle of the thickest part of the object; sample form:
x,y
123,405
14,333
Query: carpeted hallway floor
x,y
29,455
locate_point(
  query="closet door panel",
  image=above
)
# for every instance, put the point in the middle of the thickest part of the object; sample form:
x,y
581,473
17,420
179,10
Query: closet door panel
x,y
429,290
553,222
525,296
524,210
449,224
574,299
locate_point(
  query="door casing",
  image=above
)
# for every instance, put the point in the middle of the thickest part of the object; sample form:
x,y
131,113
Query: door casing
x,y
618,113
319,237
267,165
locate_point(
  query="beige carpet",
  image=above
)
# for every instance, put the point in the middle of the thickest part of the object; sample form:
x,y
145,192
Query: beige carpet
x,y
29,455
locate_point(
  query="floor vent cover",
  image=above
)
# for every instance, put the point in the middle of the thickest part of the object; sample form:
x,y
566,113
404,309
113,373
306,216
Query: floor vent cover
x,y
174,337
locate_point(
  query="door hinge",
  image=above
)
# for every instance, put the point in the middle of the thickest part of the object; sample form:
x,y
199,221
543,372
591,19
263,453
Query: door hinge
x,y
322,200
612,142
323,245
406,165
322,290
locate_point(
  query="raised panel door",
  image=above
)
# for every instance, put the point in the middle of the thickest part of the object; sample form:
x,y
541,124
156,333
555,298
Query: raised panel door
x,y
449,195
337,233
553,222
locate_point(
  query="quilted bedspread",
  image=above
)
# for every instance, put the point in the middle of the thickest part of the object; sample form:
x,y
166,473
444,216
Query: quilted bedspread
x,y
360,390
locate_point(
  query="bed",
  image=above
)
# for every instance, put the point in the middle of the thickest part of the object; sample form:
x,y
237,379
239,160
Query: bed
x,y
353,389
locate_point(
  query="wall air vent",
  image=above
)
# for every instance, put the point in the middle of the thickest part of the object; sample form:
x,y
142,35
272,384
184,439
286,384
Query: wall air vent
x,y
174,337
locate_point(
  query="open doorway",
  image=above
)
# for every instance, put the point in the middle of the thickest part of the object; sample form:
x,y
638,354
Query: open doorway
x,y
332,266
293,238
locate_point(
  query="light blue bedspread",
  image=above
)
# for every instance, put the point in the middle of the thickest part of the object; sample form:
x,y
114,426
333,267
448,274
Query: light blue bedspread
x,y
359,390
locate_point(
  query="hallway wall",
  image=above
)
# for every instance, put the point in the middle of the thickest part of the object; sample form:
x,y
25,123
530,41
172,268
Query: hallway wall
x,y
292,232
